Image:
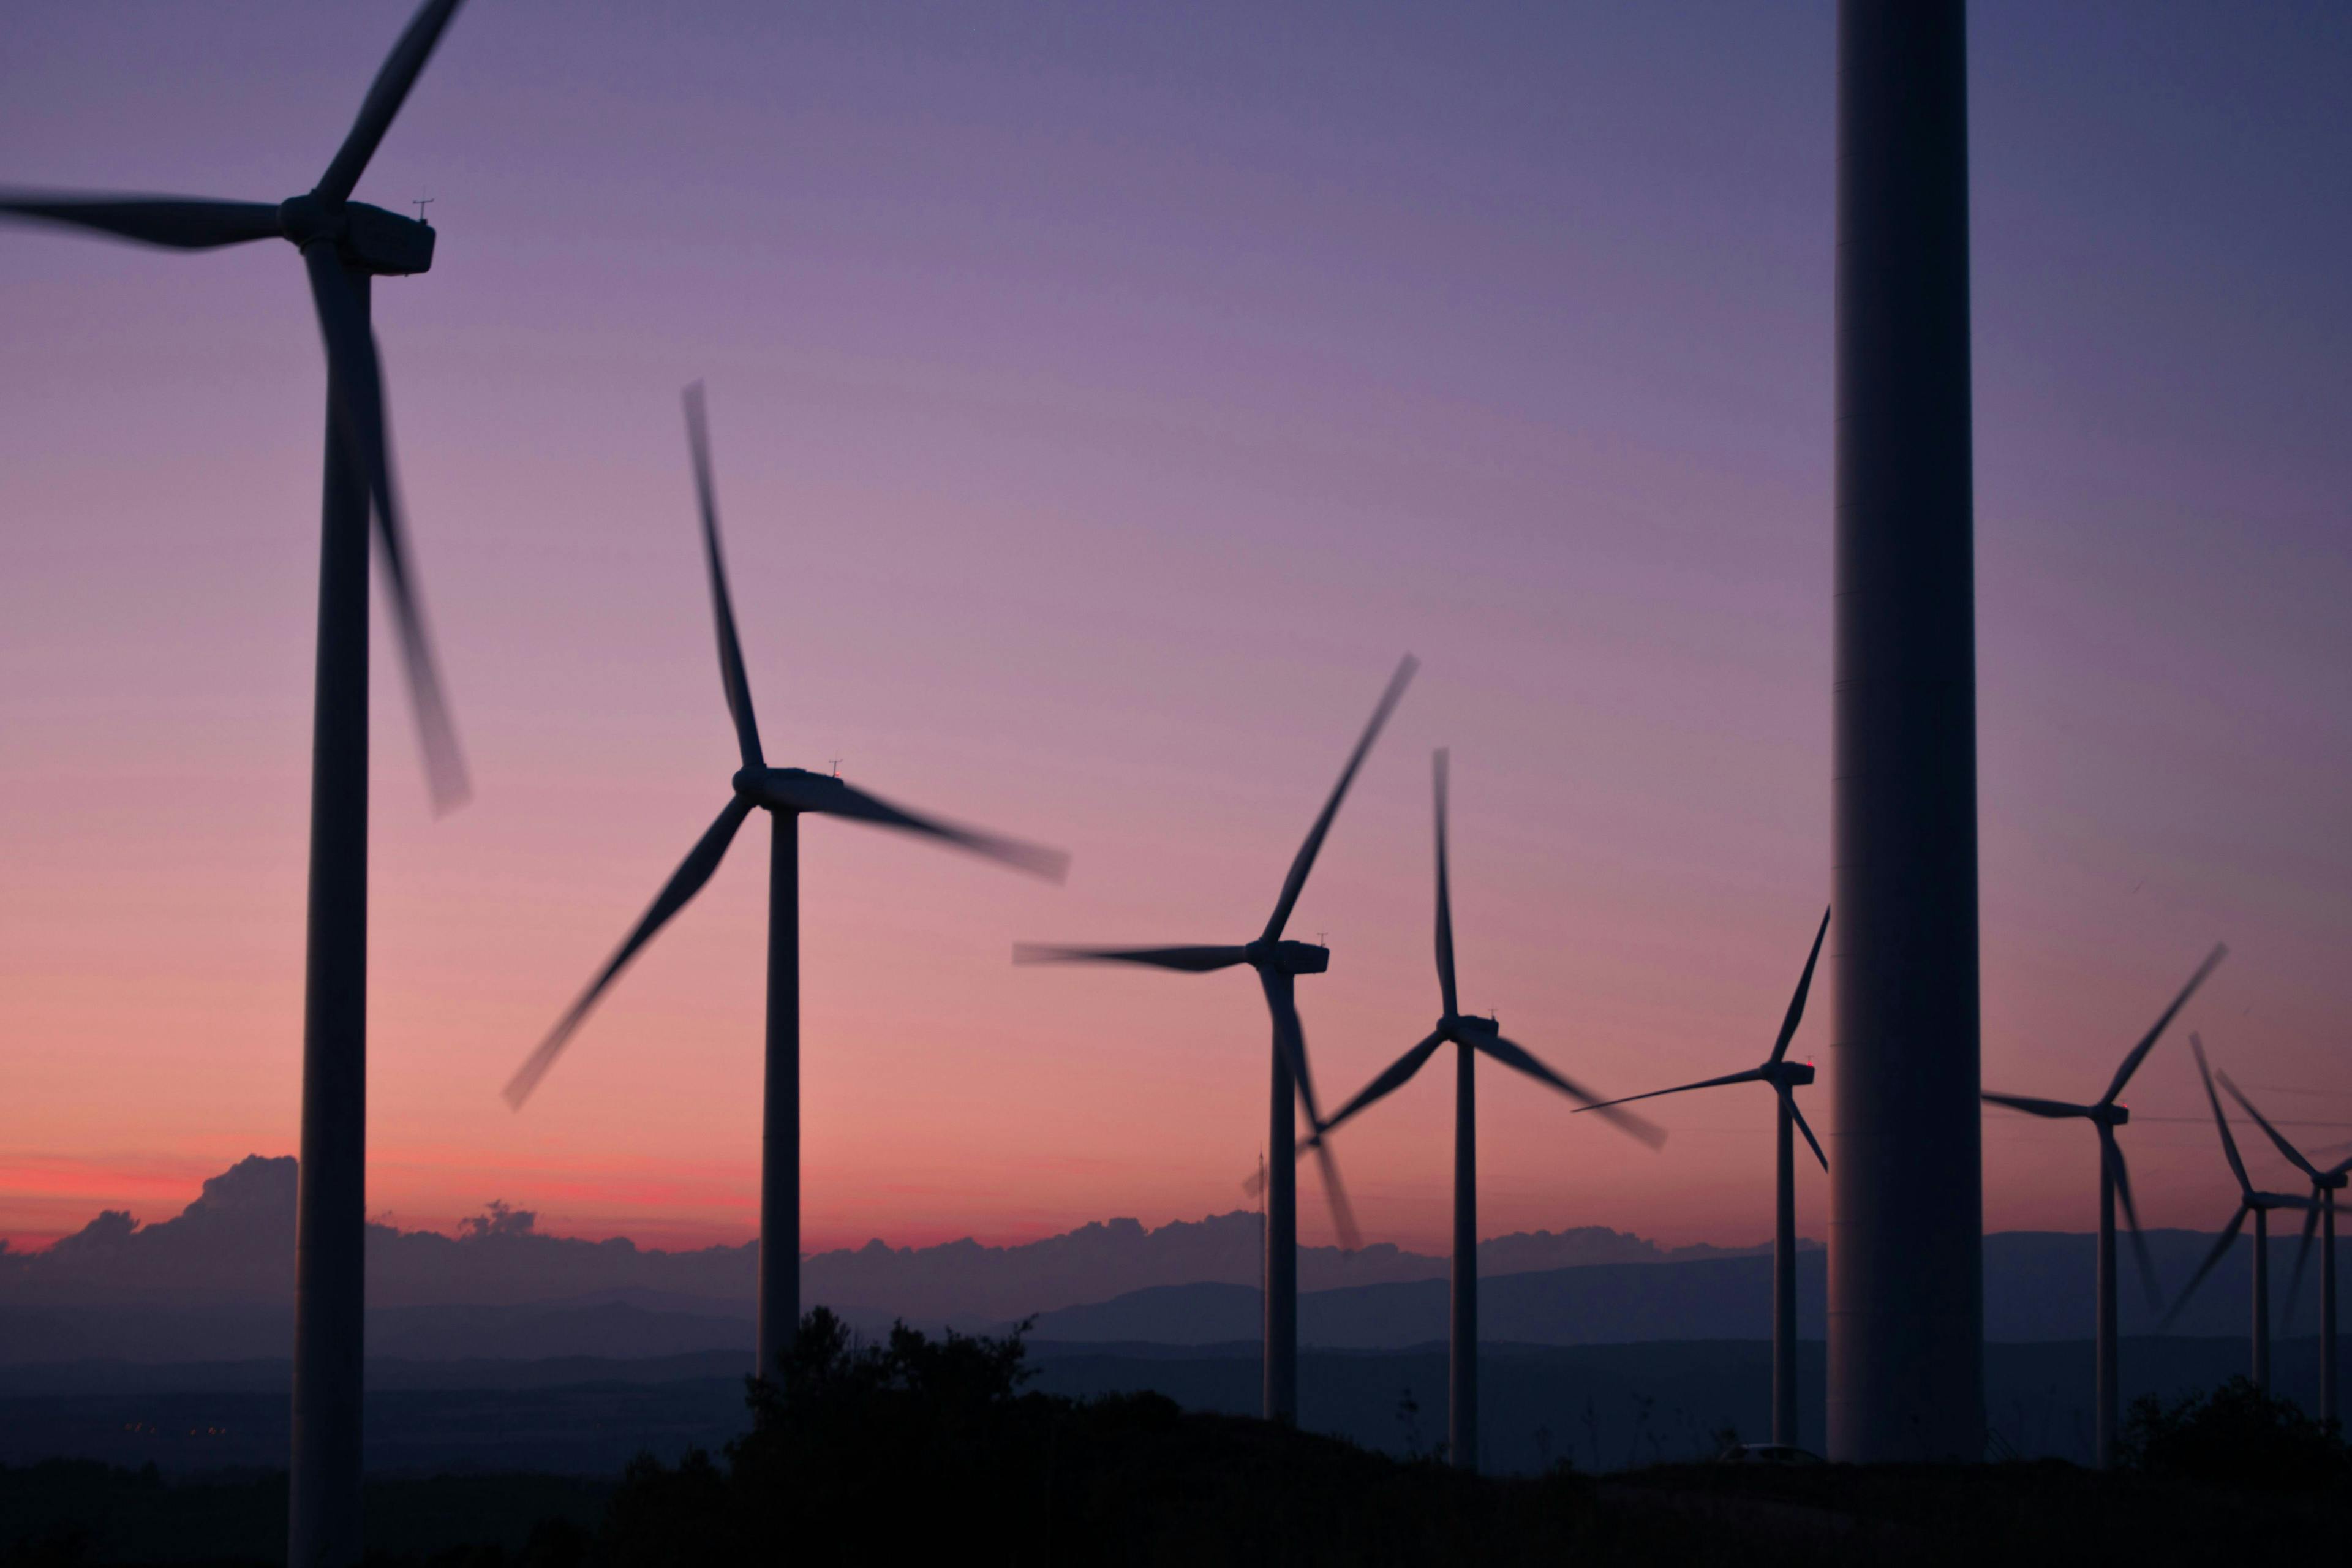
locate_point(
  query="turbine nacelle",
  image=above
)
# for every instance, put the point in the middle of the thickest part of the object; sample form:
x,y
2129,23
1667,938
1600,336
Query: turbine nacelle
x,y
1287,957
1451,1024
366,238
1786,1074
788,789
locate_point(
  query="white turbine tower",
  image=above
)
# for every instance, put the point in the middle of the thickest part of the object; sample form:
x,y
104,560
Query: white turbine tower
x,y
1469,1035
1785,1077
2114,1184
2324,1185
2252,1201
786,794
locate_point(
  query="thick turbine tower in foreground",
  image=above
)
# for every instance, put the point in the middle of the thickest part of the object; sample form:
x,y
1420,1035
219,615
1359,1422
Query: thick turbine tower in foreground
x,y
345,244
1278,962
2115,1182
1907,1199
785,794
1785,1077
1469,1035
2251,1200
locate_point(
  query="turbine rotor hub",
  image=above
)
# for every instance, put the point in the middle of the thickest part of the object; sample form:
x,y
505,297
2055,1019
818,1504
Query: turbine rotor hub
x,y
753,785
307,219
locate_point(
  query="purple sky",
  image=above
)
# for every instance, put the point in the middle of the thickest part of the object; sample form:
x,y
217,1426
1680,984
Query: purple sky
x,y
1103,399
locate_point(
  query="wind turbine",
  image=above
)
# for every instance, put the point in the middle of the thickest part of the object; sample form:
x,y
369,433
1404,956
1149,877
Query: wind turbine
x,y
2250,1201
2115,1182
1469,1035
344,245
1278,962
1784,1076
2324,1185
786,794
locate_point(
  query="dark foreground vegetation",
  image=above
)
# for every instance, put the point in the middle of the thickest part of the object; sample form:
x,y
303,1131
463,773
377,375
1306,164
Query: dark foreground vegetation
x,y
877,1453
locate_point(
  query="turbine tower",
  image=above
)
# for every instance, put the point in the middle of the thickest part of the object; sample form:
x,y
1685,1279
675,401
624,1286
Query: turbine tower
x,y
1278,962
786,794
1907,1200
345,244
1785,1077
1469,1035
2115,1182
2250,1201
2324,1185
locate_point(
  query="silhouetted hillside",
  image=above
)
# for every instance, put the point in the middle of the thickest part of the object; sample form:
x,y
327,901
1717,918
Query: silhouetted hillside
x,y
1004,1468
1606,1406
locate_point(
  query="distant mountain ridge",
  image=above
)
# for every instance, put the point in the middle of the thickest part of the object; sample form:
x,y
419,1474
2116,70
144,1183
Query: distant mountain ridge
x,y
213,1284
235,1244
2038,1289
2038,1286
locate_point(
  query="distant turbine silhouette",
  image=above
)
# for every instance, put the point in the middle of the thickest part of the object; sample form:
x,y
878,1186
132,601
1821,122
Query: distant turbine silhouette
x,y
785,794
344,245
2115,1182
2324,1185
1784,1076
1278,963
2250,1202
1469,1035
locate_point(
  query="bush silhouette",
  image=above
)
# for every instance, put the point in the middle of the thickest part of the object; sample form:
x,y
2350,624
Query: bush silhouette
x,y
2234,1435
913,1446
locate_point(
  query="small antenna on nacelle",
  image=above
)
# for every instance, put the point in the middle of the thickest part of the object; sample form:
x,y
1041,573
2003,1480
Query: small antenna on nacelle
x,y
421,203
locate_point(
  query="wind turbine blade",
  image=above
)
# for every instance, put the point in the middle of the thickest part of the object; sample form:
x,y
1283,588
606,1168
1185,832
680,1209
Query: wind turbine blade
x,y
684,883
355,382
1304,861
2302,1257
1805,1127
1343,1214
1394,1077
180,223
2113,1152
2229,1144
842,800
1513,1055
2293,1155
1753,1075
1290,1037
384,99
2148,1041
722,602
2055,1109
1804,988
2237,1223
1191,959
1445,890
